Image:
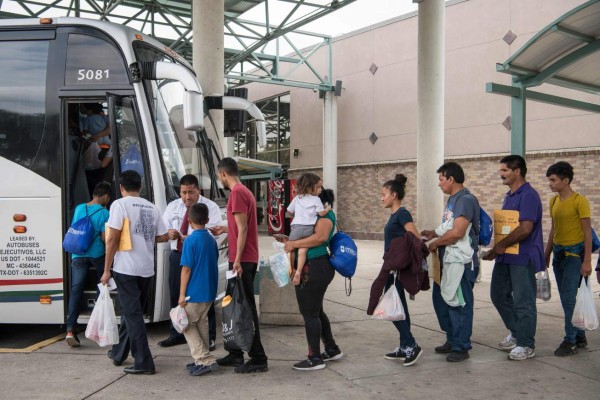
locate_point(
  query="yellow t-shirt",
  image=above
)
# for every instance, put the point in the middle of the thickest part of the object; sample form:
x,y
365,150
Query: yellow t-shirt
x,y
567,217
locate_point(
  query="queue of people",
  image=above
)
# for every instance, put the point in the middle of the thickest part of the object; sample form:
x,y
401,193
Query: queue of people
x,y
191,222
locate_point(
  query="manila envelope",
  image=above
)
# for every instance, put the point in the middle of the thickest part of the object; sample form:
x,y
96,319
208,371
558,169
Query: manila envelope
x,y
125,241
506,221
434,268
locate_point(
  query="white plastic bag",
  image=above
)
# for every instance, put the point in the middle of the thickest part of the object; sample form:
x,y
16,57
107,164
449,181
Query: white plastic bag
x,y
542,280
179,318
90,157
584,314
280,265
390,307
102,327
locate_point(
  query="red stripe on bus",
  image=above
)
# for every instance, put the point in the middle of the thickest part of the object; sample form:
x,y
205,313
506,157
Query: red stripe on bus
x,y
29,281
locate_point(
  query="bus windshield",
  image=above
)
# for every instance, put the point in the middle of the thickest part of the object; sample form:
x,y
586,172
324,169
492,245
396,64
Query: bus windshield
x,y
183,152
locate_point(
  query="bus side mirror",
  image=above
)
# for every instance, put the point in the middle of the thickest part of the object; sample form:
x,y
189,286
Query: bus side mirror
x,y
193,114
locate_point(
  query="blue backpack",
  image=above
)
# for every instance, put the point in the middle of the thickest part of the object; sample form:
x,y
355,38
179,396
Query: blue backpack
x,y
80,235
486,227
343,256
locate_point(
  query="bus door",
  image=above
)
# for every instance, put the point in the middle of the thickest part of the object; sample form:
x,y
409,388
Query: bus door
x,y
84,168
128,152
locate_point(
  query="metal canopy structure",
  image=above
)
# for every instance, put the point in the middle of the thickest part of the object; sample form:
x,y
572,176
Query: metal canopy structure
x,y
565,53
263,50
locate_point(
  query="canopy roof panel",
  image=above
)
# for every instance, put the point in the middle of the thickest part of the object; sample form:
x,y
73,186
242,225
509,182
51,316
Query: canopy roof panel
x,y
258,48
565,53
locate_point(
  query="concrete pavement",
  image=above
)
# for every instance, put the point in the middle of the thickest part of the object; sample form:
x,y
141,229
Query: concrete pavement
x,y
60,372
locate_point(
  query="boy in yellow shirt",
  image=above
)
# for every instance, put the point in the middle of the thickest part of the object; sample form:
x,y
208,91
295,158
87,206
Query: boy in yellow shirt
x,y
570,240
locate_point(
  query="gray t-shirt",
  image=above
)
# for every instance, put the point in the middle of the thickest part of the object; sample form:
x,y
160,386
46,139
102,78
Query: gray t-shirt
x,y
464,204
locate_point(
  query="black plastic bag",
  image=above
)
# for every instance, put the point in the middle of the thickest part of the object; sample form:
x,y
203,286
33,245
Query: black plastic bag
x,y
238,326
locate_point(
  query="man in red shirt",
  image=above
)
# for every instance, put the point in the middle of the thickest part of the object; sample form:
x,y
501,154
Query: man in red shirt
x,y
242,240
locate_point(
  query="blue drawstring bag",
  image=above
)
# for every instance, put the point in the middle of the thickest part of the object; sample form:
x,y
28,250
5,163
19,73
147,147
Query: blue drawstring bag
x,y
80,235
344,255
486,226
595,241
132,160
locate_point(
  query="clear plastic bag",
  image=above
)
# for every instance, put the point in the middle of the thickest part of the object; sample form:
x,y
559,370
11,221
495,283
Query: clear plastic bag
x,y
280,265
585,315
542,280
390,307
102,327
179,318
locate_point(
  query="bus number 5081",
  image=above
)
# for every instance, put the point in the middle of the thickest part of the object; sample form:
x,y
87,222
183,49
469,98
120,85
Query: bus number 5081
x,y
92,74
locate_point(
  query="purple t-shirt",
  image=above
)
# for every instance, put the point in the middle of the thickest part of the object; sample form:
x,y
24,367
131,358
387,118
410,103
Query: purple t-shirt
x,y
527,202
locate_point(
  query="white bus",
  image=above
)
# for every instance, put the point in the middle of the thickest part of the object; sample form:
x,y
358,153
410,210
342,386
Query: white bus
x,y
155,109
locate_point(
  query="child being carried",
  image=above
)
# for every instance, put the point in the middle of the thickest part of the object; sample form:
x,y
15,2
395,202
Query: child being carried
x,y
306,207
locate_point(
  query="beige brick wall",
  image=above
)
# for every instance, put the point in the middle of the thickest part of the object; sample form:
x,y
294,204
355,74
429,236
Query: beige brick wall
x,y
358,201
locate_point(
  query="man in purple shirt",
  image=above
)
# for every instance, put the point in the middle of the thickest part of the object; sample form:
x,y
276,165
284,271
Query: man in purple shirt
x,y
513,287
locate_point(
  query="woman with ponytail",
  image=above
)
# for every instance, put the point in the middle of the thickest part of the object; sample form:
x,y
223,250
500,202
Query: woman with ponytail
x,y
400,222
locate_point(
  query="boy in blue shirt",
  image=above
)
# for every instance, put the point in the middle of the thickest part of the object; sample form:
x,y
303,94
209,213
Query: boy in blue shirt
x,y
92,258
199,277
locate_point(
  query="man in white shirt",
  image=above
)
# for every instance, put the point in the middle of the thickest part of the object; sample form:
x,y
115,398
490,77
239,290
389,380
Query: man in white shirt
x,y
175,219
133,269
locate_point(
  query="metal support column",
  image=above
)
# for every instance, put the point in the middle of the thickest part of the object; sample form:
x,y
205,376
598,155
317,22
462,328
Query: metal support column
x,y
208,57
518,129
430,125
330,141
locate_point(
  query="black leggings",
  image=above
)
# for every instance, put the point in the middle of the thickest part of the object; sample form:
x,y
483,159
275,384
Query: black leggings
x,y
310,294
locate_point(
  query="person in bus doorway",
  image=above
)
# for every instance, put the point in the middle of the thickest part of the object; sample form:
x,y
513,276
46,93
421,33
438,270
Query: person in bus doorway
x,y
92,258
95,129
133,269
242,240
176,220
462,210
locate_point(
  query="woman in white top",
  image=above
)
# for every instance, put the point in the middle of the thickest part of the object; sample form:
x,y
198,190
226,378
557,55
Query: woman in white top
x,y
305,208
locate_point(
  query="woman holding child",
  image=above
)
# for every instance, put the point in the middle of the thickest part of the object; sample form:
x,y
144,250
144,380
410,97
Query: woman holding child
x,y
313,281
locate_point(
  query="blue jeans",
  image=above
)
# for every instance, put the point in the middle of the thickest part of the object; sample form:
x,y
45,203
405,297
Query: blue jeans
x,y
567,272
513,291
403,326
457,322
79,271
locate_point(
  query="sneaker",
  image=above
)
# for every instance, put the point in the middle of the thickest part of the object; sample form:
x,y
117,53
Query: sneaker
x,y
565,349
309,364
212,345
172,341
190,366
457,356
521,353
508,343
230,360
115,362
397,354
72,339
412,354
203,369
332,355
581,342
252,366
444,349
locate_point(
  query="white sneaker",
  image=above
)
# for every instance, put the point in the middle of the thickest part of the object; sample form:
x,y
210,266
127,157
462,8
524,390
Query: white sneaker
x,y
521,353
508,343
